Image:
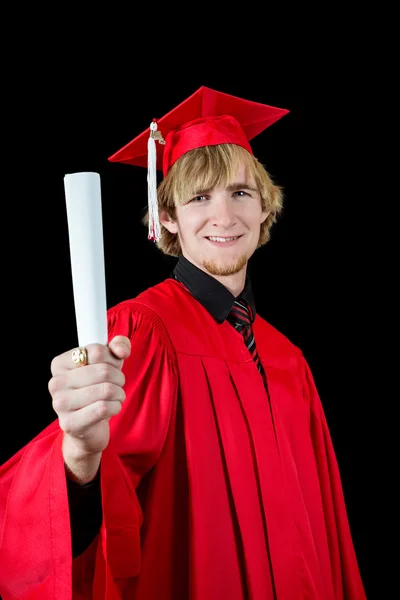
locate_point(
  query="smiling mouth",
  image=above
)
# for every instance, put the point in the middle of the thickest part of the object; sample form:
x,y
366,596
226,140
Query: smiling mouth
x,y
222,240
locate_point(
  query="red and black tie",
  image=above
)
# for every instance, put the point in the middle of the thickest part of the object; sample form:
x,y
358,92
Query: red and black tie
x,y
241,316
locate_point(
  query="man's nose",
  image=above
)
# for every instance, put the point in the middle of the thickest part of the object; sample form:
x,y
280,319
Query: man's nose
x,y
223,214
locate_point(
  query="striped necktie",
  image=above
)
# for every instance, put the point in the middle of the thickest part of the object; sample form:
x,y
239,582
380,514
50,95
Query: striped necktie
x,y
241,317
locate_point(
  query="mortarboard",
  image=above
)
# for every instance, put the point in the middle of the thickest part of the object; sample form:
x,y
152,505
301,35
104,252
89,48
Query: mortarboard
x,y
206,118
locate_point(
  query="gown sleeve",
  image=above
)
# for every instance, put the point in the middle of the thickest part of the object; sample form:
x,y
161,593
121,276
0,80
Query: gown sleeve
x,y
35,537
345,571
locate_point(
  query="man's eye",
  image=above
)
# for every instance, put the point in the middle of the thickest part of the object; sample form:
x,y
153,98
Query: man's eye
x,y
241,193
198,199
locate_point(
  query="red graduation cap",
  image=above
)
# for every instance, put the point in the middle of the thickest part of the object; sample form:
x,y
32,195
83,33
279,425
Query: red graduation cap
x,y
206,118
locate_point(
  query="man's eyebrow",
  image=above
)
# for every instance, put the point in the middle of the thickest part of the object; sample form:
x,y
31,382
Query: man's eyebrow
x,y
240,186
232,187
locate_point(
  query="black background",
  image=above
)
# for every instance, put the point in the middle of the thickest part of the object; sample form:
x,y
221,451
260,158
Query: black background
x,y
310,281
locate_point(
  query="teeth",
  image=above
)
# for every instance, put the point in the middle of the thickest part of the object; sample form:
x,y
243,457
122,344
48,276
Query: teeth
x,y
220,239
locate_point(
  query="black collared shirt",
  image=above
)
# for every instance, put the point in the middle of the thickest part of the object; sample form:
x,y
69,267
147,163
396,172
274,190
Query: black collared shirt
x,y
214,296
85,501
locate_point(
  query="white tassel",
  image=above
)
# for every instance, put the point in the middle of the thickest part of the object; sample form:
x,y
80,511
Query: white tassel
x,y
154,221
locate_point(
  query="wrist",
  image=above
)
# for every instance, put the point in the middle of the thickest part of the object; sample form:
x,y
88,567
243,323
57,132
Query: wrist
x,y
80,466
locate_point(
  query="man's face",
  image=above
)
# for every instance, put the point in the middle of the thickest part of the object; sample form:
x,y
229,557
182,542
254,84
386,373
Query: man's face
x,y
219,229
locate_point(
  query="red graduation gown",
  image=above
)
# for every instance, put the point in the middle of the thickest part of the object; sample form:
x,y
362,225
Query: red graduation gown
x,y
209,490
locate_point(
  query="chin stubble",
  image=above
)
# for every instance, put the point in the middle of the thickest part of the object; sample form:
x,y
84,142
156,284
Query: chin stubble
x,y
234,267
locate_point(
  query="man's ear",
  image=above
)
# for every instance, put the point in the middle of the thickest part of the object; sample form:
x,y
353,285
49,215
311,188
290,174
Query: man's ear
x,y
168,222
264,215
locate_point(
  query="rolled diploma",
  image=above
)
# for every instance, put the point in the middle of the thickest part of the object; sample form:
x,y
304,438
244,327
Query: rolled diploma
x,y
85,230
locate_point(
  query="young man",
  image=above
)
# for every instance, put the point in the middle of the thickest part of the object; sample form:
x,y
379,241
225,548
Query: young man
x,y
191,458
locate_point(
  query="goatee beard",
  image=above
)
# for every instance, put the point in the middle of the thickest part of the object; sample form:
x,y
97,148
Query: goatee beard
x,y
224,270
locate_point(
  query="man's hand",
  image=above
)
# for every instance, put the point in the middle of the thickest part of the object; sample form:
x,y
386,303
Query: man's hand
x,y
84,399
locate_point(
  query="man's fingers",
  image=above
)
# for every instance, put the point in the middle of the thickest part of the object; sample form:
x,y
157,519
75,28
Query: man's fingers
x,y
114,354
74,400
77,423
91,375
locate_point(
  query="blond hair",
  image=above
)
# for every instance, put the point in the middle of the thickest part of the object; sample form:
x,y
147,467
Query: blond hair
x,y
206,168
